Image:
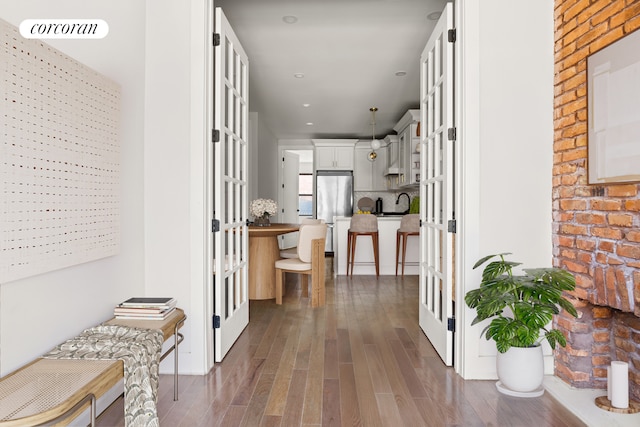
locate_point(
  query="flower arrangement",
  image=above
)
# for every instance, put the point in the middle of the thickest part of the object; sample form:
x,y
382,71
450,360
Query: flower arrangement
x,y
263,208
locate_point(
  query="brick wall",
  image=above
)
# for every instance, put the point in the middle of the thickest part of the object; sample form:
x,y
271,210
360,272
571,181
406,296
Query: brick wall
x,y
596,228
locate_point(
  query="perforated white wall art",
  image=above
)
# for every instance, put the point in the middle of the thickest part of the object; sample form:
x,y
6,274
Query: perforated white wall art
x,y
59,159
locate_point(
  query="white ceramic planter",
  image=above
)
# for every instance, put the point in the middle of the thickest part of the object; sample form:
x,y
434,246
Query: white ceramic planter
x,y
521,370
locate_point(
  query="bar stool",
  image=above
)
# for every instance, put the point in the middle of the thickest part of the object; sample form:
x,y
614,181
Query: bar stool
x,y
362,225
409,226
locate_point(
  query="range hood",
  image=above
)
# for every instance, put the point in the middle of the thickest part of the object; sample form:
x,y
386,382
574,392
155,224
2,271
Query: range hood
x,y
392,170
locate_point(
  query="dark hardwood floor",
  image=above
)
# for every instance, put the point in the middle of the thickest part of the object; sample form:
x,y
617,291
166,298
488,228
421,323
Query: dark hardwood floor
x,y
361,360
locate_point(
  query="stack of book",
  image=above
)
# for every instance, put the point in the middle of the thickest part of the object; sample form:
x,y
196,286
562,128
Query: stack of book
x,y
145,308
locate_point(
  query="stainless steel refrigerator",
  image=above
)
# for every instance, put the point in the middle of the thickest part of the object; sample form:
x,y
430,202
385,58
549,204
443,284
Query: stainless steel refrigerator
x,y
334,197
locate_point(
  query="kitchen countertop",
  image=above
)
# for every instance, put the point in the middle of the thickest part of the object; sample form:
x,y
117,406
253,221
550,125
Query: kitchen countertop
x,y
380,217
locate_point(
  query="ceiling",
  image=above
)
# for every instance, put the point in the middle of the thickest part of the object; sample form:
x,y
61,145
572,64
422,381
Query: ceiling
x,y
348,51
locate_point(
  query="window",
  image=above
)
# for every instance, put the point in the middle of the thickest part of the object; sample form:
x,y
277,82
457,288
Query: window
x,y
305,194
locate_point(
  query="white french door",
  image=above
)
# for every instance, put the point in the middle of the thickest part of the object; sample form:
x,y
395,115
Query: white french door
x,y
229,179
436,188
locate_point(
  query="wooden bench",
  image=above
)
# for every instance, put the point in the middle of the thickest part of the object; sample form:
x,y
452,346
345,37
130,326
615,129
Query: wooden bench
x,y
58,390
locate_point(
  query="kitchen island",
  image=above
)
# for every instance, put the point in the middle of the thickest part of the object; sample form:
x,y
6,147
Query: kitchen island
x,y
364,265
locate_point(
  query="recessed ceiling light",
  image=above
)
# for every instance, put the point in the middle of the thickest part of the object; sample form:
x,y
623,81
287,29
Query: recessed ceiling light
x,y
401,73
299,75
306,105
434,16
290,19
309,124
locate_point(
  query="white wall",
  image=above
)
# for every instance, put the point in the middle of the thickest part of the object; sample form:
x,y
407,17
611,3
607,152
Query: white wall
x,y
506,135
268,157
38,312
175,147
155,49
253,156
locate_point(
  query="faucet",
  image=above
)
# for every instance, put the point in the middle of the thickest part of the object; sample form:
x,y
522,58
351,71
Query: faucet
x,y
408,201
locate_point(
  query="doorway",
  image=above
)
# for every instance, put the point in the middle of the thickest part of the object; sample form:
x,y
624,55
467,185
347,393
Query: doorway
x,y
295,190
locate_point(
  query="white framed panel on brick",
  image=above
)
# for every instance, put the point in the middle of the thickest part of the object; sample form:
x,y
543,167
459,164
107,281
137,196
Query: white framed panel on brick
x,y
59,159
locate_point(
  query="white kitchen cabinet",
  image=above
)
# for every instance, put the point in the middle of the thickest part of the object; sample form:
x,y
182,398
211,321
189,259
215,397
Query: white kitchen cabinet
x,y
408,158
334,154
368,175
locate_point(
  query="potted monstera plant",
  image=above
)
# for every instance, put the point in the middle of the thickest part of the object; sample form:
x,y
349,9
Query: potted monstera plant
x,y
521,308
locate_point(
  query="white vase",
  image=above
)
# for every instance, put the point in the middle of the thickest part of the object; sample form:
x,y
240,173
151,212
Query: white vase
x,y
521,370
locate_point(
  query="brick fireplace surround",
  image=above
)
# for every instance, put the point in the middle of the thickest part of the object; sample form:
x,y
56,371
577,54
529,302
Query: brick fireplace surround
x,y
596,229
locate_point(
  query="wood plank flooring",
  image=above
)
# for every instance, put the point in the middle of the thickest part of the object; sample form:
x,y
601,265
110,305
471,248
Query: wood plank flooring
x,y
361,360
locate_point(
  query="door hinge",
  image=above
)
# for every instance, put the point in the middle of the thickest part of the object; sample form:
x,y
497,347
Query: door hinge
x,y
216,321
421,223
451,225
451,35
215,225
216,39
451,134
451,324
215,135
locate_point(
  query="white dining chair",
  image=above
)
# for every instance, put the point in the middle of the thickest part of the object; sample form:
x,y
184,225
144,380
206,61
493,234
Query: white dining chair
x,y
293,252
309,262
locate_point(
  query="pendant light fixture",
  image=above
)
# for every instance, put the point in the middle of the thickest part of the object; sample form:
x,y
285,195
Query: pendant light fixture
x,y
375,144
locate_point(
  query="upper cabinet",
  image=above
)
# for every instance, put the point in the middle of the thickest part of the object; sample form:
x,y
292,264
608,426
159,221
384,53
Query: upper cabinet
x,y
408,129
334,154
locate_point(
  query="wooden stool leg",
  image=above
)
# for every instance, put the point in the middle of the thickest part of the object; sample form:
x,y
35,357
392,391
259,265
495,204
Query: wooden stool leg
x,y
404,251
304,282
397,249
279,285
349,237
376,252
354,239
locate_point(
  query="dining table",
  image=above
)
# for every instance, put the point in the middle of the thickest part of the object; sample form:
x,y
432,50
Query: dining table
x,y
263,254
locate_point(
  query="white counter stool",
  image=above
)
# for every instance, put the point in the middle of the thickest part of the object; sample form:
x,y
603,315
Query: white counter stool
x,y
362,225
292,253
409,226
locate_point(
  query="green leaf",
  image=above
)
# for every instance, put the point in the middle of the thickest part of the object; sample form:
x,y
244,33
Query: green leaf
x,y
554,337
503,331
473,297
483,260
476,320
526,336
496,268
535,316
569,308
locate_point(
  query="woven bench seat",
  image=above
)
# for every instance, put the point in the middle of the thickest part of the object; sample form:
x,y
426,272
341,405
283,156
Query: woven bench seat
x,y
50,389
56,391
